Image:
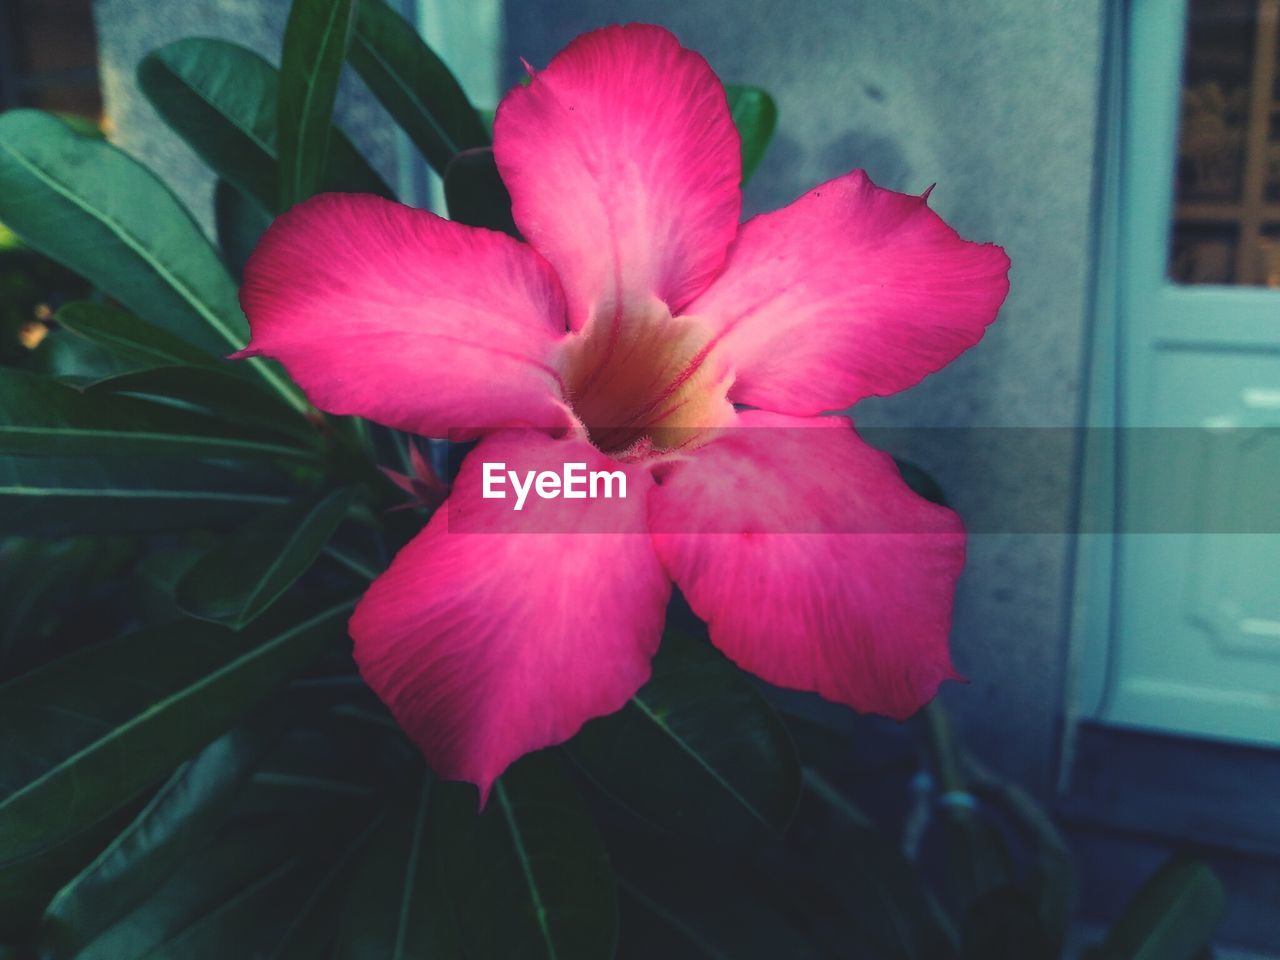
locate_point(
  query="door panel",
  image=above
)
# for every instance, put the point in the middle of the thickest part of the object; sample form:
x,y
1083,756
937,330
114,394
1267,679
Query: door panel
x,y
1197,632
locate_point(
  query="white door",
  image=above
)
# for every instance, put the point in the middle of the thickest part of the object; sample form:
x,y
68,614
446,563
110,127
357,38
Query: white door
x,y
1196,645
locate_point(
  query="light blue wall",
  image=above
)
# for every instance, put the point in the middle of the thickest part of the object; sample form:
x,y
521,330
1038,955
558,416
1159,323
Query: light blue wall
x,y
995,101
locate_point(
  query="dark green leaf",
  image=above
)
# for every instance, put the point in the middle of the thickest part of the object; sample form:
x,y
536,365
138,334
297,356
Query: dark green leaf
x,y
25,888
333,758
240,223
221,903
74,359
697,749
725,926
249,888
534,859
315,46
921,482
64,592
310,929
85,735
1002,924
55,497
1172,917
755,115
977,861
36,578
399,907
415,86
1050,876
680,899
222,98
139,343
475,193
850,882
218,391
244,574
178,820
41,417
102,214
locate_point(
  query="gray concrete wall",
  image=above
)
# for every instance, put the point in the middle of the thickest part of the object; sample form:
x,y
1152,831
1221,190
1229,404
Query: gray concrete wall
x,y
995,101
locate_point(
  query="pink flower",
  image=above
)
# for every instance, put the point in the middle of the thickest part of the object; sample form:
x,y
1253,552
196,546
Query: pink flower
x,y
630,333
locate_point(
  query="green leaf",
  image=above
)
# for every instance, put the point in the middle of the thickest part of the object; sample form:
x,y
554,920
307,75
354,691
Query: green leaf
x,y
240,223
697,750
25,890
415,86
399,905
977,861
921,482
475,193
532,858
85,735
85,126
220,392
1002,924
73,359
242,576
51,497
1050,878
41,417
223,98
133,340
247,890
311,821
849,881
222,902
1172,917
102,214
682,899
38,580
309,932
178,819
315,46
755,115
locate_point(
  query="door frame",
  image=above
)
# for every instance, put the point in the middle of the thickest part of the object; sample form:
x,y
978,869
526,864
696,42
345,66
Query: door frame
x,y
1102,778
1094,596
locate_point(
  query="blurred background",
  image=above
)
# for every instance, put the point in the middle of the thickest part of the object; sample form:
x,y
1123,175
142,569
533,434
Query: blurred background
x,y
1126,153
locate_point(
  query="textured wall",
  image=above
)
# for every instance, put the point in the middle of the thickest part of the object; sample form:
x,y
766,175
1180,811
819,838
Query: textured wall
x,y
996,102
130,29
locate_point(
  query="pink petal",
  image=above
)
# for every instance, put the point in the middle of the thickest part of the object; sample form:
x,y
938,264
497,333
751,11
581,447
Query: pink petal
x,y
852,291
623,166
503,639
395,314
813,564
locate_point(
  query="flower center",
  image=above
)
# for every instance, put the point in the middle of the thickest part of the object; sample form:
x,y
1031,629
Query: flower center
x,y
643,383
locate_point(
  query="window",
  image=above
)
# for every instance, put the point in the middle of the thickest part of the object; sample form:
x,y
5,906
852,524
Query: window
x,y
1226,219
48,57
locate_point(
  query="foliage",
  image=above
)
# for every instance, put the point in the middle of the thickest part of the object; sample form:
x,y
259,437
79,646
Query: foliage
x,y
190,765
